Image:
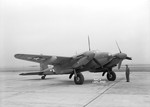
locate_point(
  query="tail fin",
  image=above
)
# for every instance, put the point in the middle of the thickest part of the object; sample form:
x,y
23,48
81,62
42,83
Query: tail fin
x,y
43,66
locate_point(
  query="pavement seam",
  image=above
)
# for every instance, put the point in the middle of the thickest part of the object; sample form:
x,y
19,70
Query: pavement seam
x,y
100,94
15,94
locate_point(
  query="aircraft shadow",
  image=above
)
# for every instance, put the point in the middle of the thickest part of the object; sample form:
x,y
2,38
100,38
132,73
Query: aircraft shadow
x,y
71,82
57,82
38,79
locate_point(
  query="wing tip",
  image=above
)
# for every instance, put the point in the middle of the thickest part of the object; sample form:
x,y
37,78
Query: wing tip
x,y
18,55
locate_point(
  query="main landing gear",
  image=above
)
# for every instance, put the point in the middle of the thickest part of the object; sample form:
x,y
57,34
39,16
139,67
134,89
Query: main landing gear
x,y
78,77
111,75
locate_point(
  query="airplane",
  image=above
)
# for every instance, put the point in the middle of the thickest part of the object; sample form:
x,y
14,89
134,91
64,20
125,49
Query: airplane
x,y
91,60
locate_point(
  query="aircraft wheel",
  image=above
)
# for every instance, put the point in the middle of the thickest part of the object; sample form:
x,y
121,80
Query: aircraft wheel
x,y
111,76
43,77
79,79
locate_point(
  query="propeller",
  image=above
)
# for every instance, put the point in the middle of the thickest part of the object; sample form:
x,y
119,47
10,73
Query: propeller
x,y
85,57
95,60
120,62
121,56
119,65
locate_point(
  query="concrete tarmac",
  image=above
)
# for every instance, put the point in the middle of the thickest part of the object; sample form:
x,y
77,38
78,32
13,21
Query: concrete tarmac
x,y
60,91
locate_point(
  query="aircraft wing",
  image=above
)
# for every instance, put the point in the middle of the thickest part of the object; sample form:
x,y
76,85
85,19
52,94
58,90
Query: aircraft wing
x,y
52,60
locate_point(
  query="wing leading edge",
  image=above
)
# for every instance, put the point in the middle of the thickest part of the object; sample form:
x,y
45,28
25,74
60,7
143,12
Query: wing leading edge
x,y
52,60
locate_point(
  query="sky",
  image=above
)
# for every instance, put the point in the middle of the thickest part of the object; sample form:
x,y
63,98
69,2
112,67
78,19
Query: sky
x,y
61,27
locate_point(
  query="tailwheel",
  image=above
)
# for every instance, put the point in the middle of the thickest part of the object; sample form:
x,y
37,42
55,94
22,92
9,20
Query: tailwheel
x,y
79,79
111,76
43,77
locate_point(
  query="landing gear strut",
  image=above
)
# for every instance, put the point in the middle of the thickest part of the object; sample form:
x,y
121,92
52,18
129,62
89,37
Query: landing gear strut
x,y
43,77
111,76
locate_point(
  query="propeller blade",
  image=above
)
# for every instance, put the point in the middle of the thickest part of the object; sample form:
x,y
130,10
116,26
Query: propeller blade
x,y
89,43
118,47
119,65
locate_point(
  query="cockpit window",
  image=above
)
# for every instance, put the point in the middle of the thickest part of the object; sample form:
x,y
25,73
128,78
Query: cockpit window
x,y
96,51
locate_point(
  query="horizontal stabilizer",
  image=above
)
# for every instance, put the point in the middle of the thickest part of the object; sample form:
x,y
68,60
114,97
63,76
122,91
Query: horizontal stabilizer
x,y
32,73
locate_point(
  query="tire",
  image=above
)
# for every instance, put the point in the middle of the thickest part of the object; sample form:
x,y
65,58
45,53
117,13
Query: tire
x,y
111,76
79,79
43,77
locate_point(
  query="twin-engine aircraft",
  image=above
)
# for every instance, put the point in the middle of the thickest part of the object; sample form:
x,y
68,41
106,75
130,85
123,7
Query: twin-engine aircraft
x,y
92,61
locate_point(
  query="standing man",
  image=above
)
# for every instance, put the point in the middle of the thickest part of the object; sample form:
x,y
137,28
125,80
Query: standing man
x,y
127,73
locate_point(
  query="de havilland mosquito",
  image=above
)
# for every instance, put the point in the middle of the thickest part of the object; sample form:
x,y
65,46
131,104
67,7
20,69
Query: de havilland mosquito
x,y
92,61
